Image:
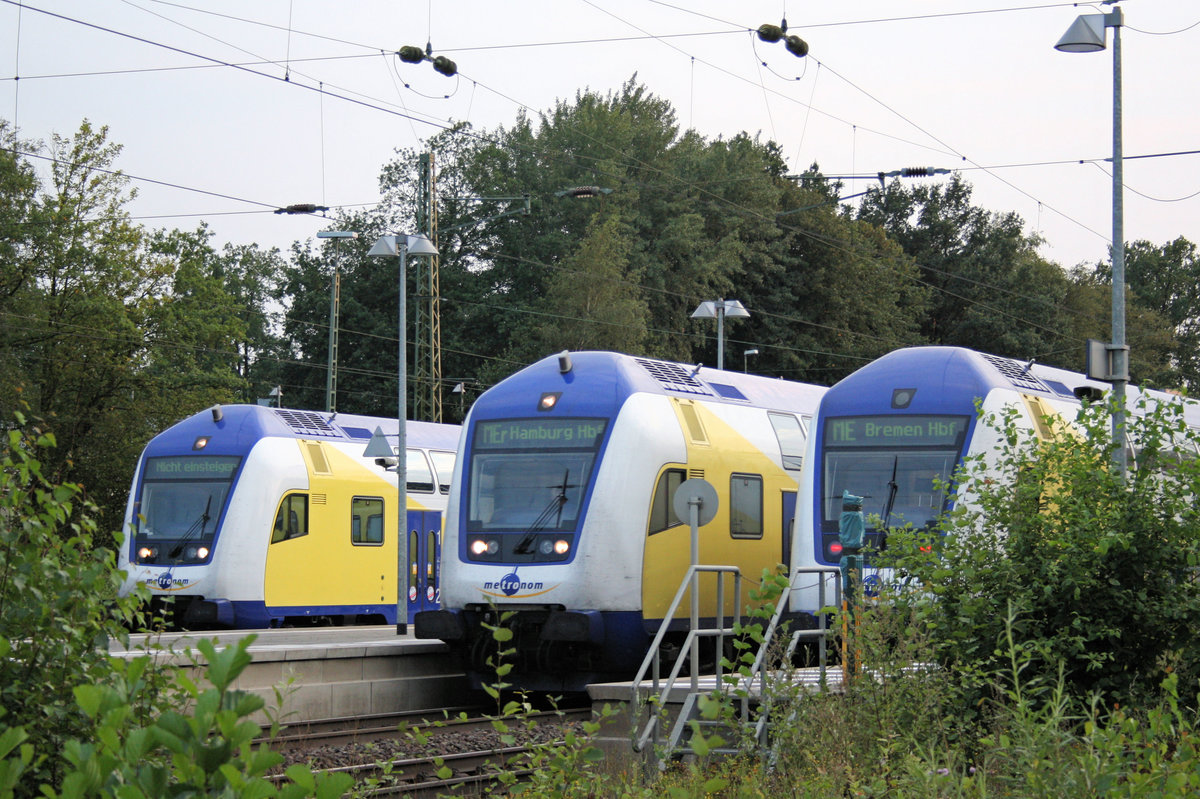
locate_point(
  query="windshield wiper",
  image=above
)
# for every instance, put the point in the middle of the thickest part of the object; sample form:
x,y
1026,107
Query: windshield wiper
x,y
553,509
893,488
200,523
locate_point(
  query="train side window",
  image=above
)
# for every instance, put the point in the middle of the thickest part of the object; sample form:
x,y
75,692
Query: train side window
x,y
432,555
792,439
443,466
420,475
414,555
662,510
745,506
292,519
366,520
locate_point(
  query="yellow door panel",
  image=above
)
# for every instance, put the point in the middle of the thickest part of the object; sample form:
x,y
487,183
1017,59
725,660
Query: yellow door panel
x,y
718,451
324,567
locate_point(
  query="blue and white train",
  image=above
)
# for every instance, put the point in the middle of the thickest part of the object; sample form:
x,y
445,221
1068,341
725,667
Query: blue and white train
x,y
561,507
248,517
895,431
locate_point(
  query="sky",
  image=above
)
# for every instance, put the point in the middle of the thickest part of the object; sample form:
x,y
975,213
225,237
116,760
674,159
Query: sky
x,y
227,110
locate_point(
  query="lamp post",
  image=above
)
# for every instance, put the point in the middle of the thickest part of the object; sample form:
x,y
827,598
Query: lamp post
x,y
719,309
335,299
460,390
401,246
745,355
1087,35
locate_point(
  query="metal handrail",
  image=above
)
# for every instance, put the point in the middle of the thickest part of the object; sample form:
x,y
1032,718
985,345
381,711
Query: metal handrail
x,y
690,581
759,667
821,632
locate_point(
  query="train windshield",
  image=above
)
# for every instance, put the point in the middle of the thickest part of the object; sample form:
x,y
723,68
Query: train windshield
x,y
531,474
899,464
182,498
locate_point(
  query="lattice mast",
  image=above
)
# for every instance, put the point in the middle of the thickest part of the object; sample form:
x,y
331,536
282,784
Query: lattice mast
x,y
427,356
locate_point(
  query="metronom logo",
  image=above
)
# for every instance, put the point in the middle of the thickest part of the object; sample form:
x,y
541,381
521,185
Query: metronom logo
x,y
510,584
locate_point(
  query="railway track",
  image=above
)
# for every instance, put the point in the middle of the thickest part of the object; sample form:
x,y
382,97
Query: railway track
x,y
402,754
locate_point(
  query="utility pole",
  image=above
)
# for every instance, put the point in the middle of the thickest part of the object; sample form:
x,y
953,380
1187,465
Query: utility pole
x,y
427,360
335,299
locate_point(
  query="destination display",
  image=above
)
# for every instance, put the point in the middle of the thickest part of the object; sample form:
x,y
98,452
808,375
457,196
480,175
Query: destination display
x,y
192,467
539,434
895,431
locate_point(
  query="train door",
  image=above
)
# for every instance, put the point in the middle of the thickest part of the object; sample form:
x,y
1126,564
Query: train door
x,y
789,526
424,559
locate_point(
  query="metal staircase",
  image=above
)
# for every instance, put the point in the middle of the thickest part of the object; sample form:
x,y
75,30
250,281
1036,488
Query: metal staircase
x,y
745,686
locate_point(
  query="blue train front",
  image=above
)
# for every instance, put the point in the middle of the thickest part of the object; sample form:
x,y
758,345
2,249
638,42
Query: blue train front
x,y
244,517
561,508
896,430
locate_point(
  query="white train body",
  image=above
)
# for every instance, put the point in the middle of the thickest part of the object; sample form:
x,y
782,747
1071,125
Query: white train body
x,y
246,517
888,430
561,507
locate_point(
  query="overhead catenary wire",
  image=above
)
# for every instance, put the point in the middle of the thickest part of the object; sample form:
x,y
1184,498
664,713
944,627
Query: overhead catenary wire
x,y
6,0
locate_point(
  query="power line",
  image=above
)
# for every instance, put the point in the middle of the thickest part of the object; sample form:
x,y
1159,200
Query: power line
x,y
217,61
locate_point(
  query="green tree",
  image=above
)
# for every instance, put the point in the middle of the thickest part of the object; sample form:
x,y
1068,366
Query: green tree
x,y
1153,342
990,290
75,722
58,602
597,300
842,292
250,276
1166,279
112,333
699,220
368,331
18,192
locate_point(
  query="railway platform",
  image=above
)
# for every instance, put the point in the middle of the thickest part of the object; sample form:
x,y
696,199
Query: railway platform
x,y
324,672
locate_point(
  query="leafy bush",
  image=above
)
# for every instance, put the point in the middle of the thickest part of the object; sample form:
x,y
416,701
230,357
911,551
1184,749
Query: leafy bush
x,y
1098,571
75,722
58,601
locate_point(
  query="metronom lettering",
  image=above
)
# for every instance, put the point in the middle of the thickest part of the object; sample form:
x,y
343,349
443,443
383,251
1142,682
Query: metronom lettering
x,y
490,585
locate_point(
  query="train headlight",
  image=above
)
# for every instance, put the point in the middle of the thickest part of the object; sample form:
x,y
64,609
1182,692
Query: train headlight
x,y
493,547
479,547
202,553
145,553
547,546
190,553
562,546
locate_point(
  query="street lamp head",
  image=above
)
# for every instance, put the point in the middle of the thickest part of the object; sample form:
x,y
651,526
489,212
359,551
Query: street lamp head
x,y
421,245
337,234
386,245
748,353
1086,35
390,245
732,309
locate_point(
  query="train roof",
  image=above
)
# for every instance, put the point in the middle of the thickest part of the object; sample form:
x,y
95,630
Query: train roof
x,y
957,376
242,425
600,382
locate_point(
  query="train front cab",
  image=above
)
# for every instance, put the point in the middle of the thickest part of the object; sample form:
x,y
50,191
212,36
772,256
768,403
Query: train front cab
x,y
524,492
636,550
895,431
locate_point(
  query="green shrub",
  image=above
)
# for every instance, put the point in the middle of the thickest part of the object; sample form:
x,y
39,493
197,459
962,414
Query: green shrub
x,y
76,722
58,602
1099,571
